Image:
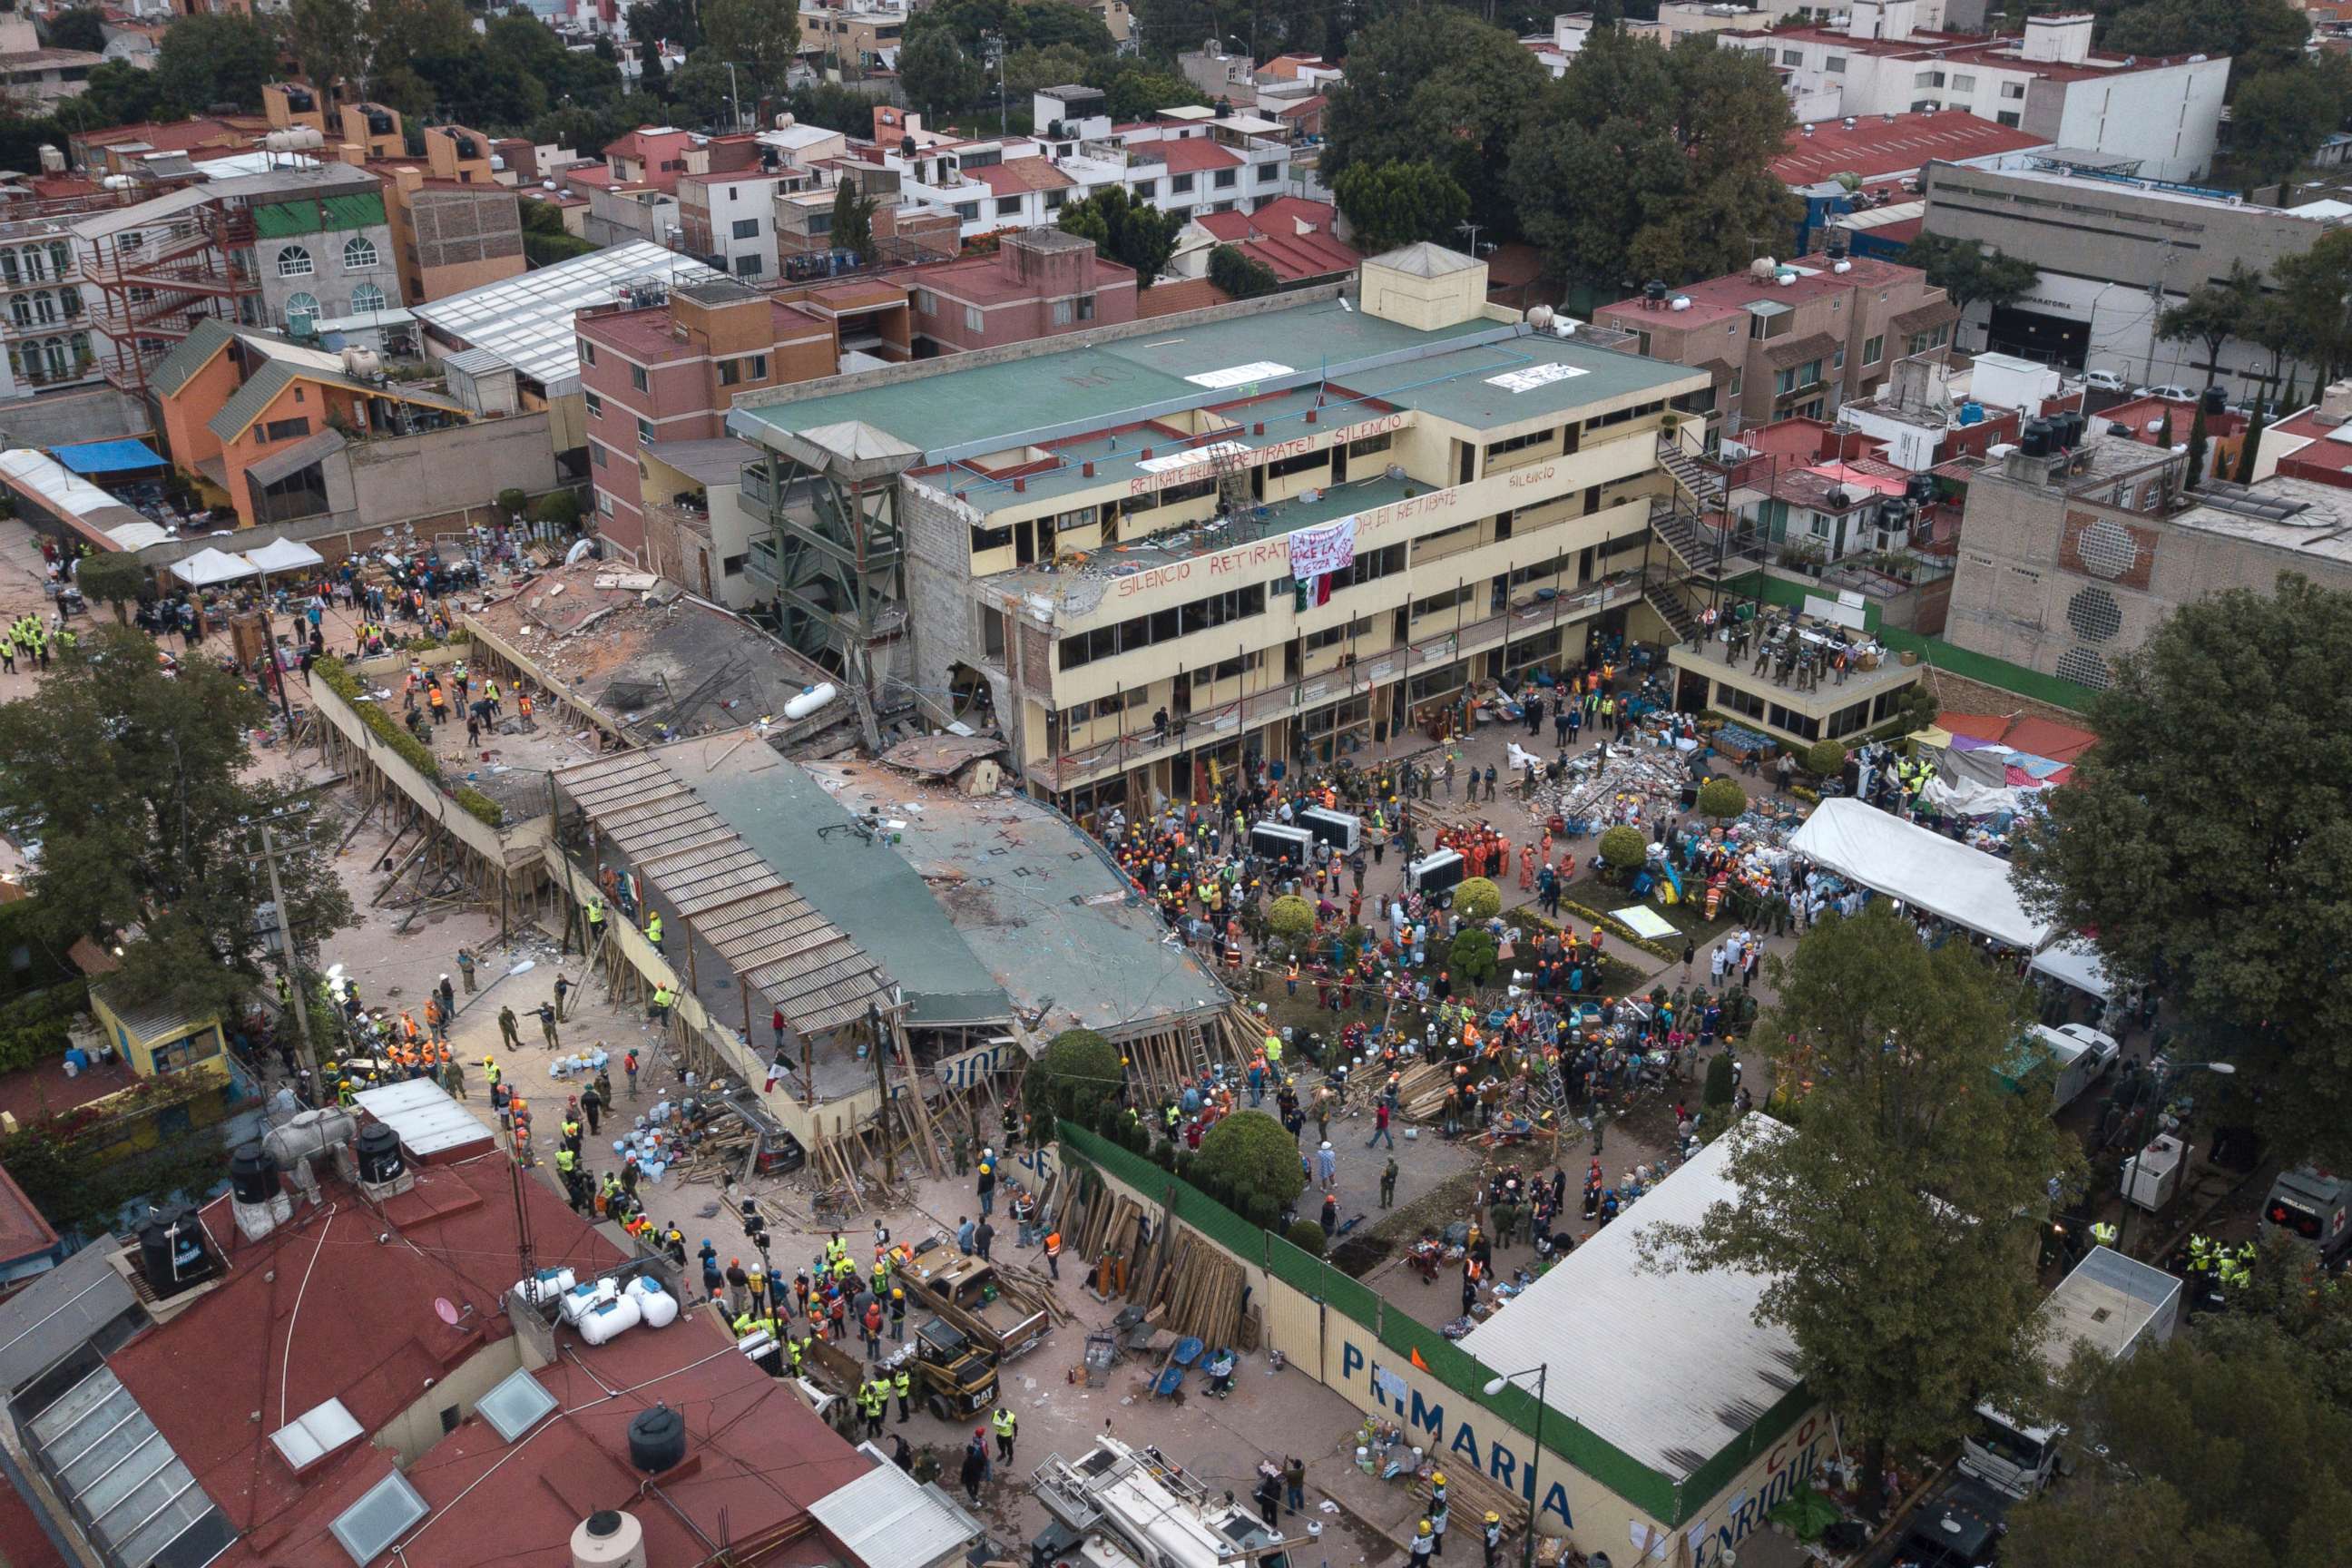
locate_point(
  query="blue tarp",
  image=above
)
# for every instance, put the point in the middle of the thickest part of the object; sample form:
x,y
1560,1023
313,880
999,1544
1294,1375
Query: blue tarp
x,y
107,457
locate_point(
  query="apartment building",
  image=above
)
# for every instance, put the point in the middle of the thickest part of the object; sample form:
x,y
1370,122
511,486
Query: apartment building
x,y
44,316
134,150
284,249
1294,526
667,372
2164,113
1887,155
2112,248
33,74
1786,341
729,219
1040,283
2077,544
2313,444
856,35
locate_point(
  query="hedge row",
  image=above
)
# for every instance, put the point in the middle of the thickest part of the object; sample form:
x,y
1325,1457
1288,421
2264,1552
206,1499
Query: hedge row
x,y
408,747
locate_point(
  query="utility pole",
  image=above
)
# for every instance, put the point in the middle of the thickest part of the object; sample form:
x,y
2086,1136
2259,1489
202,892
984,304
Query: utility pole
x,y
734,104
290,965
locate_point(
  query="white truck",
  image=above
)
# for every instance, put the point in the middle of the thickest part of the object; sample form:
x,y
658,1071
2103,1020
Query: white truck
x,y
1117,1506
2078,1055
2114,1304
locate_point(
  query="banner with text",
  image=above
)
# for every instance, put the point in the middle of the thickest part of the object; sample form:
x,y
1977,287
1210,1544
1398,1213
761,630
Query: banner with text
x,y
1325,547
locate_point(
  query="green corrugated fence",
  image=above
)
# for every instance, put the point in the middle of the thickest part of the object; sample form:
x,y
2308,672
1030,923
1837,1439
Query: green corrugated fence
x,y
1444,1360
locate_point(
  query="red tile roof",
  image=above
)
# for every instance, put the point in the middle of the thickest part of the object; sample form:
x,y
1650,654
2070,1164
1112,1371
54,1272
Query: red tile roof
x,y
1191,154
2042,736
1876,150
1172,299
1307,105
1291,235
1015,176
2321,458
1718,297
23,1232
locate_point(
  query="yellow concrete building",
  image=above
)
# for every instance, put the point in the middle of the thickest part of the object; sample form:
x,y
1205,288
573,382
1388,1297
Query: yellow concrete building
x,y
1295,527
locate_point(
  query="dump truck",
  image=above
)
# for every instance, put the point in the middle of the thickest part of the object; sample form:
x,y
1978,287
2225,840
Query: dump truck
x,y
999,1318
1117,1506
2112,1303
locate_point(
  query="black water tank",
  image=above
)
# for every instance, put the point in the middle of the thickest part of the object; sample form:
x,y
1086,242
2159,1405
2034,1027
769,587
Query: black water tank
x,y
1920,487
2215,401
253,1175
657,1440
2034,442
2076,426
1654,290
1836,250
174,1253
379,1154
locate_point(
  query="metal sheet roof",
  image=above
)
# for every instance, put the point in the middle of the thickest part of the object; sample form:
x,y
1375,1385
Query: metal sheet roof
x,y
774,939
256,395
527,319
195,350
48,1318
888,1519
318,215
1688,1368
423,1116
293,459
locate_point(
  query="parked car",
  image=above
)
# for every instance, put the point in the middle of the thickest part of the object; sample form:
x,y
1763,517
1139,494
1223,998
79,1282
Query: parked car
x,y
2169,393
2106,381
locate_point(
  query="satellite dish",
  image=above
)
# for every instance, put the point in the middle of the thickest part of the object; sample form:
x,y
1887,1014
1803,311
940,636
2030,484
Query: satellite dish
x,y
445,1310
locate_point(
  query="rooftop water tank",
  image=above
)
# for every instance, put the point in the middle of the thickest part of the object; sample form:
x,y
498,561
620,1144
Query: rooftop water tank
x,y
1971,414
657,1440
253,1175
380,1160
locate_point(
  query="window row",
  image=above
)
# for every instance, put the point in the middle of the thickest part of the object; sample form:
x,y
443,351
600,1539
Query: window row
x,y
359,256
37,263
303,312
1162,626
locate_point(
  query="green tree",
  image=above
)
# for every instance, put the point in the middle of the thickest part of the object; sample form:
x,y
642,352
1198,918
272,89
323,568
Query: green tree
x,y
1290,918
673,22
700,90
1073,1077
1305,1234
83,28
1132,233
1028,69
1898,1221
2212,314
760,36
1477,899
1966,270
1132,92
2204,839
1823,759
1241,275
2209,1452
116,577
1624,849
1247,1162
1472,956
1721,799
329,41
935,74
853,219
216,57
2313,307
2277,120
141,785
2255,36
2197,445
1644,162
1721,1089
1441,84
118,93
2251,448
1392,204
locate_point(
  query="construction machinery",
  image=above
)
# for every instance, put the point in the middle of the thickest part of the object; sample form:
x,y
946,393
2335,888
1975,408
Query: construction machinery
x,y
957,1379
966,1289
1117,1506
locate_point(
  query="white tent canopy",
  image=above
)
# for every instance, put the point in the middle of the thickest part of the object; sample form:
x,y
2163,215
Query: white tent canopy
x,y
1967,886
283,554
2075,963
209,566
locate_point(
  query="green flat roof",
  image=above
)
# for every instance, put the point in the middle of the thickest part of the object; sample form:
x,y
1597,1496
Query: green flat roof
x,y
962,412
869,890
315,214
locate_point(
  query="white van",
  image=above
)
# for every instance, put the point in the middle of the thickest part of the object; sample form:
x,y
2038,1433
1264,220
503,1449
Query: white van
x,y
2080,1054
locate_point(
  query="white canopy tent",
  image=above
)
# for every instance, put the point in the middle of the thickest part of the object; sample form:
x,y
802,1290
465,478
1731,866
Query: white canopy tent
x,y
283,554
1903,860
209,567
2074,963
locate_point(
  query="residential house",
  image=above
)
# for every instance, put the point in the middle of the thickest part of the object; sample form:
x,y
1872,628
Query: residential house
x,y
1787,339
449,235
1039,283
30,73
1296,238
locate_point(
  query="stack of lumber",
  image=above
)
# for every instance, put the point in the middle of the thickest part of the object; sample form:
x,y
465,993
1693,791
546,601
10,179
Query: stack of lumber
x,y
1034,1289
1470,1498
1196,1288
1422,1090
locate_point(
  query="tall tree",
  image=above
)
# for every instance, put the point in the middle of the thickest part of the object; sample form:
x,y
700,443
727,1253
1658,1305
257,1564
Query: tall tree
x,y
329,40
1439,85
1390,204
853,220
762,37
674,22
83,28
2278,119
1643,162
1133,233
1132,92
2255,36
140,782
1899,1219
2314,304
936,76
1970,273
216,57
2207,841
2213,313
2249,450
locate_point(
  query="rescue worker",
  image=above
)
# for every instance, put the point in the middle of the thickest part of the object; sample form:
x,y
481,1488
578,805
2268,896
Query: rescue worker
x,y
595,918
1439,1514
2103,1233
873,1397
1423,1543
653,928
1006,1425
1054,1255
899,1313
903,1384
1491,1538
567,1165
